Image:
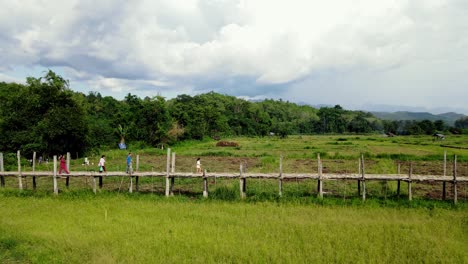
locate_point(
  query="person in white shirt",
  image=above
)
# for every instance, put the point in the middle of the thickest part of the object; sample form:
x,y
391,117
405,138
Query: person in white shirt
x,y
198,166
102,164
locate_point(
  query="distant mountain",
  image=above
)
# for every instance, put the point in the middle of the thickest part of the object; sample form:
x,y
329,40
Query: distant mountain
x,y
419,109
448,118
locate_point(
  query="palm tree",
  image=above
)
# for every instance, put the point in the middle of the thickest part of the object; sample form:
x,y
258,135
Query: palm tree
x,y
122,131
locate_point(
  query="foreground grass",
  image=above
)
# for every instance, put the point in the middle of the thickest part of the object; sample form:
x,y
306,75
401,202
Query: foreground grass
x,y
110,227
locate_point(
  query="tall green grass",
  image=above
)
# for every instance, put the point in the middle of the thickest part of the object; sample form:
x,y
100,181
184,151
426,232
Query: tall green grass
x,y
121,228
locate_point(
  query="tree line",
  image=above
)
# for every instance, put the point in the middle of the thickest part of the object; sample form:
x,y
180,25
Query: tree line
x,y
46,116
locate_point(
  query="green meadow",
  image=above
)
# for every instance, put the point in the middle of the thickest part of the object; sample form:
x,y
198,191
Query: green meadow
x,y
114,226
263,154
121,228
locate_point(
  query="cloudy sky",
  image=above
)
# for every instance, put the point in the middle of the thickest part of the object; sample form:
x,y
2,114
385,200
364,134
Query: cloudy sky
x,y
360,54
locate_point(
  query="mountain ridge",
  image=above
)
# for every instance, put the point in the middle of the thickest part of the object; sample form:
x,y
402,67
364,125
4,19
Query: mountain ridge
x,y
449,118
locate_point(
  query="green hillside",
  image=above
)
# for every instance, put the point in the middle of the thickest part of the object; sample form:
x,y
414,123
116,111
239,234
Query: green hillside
x,y
448,118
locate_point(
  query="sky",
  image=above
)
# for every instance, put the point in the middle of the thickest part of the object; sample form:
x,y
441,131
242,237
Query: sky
x,y
362,54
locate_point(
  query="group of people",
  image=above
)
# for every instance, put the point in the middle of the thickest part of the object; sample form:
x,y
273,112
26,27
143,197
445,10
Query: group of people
x,y
102,164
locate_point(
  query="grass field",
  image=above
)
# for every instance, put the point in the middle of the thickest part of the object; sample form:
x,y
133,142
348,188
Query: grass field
x,y
113,226
118,228
299,152
339,154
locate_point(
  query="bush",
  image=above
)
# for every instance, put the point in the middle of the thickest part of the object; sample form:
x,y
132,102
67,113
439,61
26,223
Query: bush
x,y
227,144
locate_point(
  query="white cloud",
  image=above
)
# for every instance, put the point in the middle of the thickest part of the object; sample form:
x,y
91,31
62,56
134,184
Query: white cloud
x,y
291,45
7,78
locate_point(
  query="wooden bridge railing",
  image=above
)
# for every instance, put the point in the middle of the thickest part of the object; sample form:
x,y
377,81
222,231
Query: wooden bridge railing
x,y
170,175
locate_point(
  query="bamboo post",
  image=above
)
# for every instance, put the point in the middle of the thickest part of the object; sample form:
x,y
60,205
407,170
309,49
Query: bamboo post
x,y
455,194
444,190
280,179
399,182
130,188
205,184
137,187
363,178
94,185
34,169
410,194
320,182
173,162
242,183
20,177
171,188
359,181
2,169
168,164
100,181
67,180
55,175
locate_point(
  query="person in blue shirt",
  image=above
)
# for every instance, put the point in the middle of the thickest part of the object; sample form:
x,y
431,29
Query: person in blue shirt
x,y
129,162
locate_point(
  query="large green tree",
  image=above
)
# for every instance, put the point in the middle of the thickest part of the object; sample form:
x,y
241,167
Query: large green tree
x,y
42,116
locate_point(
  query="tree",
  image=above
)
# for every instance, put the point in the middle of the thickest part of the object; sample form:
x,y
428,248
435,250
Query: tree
x,y
462,123
282,129
440,125
331,120
359,124
427,127
122,131
45,117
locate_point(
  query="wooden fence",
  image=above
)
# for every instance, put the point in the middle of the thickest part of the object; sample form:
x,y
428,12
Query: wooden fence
x,y
170,175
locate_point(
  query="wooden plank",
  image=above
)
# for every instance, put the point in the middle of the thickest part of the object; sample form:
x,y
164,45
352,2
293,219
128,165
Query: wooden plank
x,y
2,169
325,176
20,177
55,176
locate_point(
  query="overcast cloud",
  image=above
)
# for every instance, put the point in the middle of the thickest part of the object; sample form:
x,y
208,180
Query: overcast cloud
x,y
358,53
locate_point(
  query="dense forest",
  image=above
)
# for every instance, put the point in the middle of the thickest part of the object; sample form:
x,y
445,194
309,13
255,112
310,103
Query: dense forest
x,y
46,116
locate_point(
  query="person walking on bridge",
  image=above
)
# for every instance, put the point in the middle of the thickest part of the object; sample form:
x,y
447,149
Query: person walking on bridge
x,y
129,162
102,164
63,165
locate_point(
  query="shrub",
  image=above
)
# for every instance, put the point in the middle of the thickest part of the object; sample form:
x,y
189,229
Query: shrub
x,y
227,144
